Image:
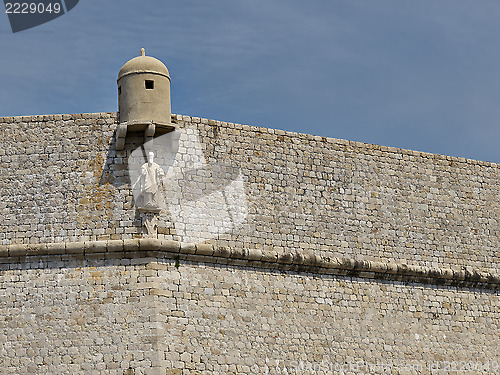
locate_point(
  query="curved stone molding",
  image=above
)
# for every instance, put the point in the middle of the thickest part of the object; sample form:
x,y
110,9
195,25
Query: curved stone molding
x,y
293,260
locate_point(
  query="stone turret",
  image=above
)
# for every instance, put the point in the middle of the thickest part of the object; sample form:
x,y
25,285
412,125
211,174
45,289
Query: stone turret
x,y
143,97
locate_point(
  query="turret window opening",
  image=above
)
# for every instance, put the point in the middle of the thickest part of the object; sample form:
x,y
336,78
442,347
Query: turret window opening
x,y
150,84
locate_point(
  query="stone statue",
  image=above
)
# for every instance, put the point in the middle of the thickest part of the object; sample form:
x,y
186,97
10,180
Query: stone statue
x,y
150,181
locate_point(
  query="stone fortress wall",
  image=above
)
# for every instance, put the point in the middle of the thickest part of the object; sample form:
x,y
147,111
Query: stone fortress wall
x,y
333,255
131,313
62,180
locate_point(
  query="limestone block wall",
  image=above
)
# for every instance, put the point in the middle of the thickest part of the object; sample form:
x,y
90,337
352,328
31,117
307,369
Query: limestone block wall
x,y
226,319
76,315
151,312
61,179
343,198
50,179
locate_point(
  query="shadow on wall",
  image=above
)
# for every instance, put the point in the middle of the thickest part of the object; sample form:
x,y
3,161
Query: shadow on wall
x,y
202,200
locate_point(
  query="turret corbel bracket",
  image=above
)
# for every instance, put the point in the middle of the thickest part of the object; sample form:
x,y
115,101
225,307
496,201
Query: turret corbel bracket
x,y
150,129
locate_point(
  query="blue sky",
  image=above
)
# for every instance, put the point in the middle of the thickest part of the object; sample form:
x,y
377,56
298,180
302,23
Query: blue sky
x,y
423,75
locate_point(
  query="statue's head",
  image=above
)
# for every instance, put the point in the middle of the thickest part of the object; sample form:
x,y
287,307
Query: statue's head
x,y
151,156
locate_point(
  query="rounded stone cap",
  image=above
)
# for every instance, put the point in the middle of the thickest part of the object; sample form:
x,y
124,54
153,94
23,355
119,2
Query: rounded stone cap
x,y
143,64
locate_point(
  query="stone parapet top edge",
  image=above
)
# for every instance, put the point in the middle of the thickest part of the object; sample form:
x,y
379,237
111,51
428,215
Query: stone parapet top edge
x,y
57,117
192,119
292,259
389,149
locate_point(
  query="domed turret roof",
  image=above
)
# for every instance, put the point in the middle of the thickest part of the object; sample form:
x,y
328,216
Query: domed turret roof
x,y
143,64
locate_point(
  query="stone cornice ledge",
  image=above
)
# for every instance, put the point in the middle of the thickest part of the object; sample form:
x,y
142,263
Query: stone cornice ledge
x,y
293,260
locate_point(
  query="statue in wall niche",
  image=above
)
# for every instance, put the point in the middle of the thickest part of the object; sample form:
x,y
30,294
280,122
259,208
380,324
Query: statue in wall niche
x,y
150,183
150,200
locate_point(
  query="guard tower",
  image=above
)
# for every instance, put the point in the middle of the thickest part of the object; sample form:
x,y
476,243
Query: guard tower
x,y
143,98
